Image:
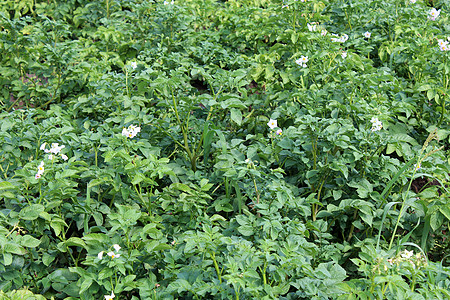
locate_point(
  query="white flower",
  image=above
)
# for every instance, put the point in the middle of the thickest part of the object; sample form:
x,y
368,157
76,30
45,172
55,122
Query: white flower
x,y
434,14
43,146
100,254
131,131
376,124
272,124
279,132
339,39
110,297
443,45
50,156
302,61
407,254
117,247
343,38
41,168
417,166
311,27
344,54
133,65
40,171
113,255
55,149
64,157
412,1
323,32
367,34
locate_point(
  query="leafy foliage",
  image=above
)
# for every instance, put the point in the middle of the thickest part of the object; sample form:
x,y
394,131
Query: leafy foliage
x,y
224,149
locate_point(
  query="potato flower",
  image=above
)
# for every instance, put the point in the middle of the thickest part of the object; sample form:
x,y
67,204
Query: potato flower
x,y
434,14
110,253
367,34
40,171
110,297
131,131
376,124
113,255
55,148
443,45
302,61
339,39
311,27
279,132
407,254
272,124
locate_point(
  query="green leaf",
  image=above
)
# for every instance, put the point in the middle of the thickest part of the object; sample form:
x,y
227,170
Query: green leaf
x,y
236,116
445,210
66,173
105,273
29,241
5,185
7,258
85,285
75,241
47,259
246,230
31,212
13,248
138,178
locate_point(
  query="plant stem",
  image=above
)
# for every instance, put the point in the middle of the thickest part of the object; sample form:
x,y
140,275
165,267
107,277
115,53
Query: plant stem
x,y
216,266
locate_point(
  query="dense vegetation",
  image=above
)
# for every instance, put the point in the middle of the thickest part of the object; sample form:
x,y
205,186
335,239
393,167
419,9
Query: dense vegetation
x,y
204,149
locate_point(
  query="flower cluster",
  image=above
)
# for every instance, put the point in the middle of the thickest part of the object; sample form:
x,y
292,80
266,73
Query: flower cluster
x,y
54,149
40,170
312,27
443,45
131,131
339,39
403,259
376,124
110,253
416,260
272,125
434,14
302,62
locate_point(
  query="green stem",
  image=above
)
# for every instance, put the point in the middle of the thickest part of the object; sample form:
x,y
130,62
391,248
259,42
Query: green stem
x,y
126,82
216,266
